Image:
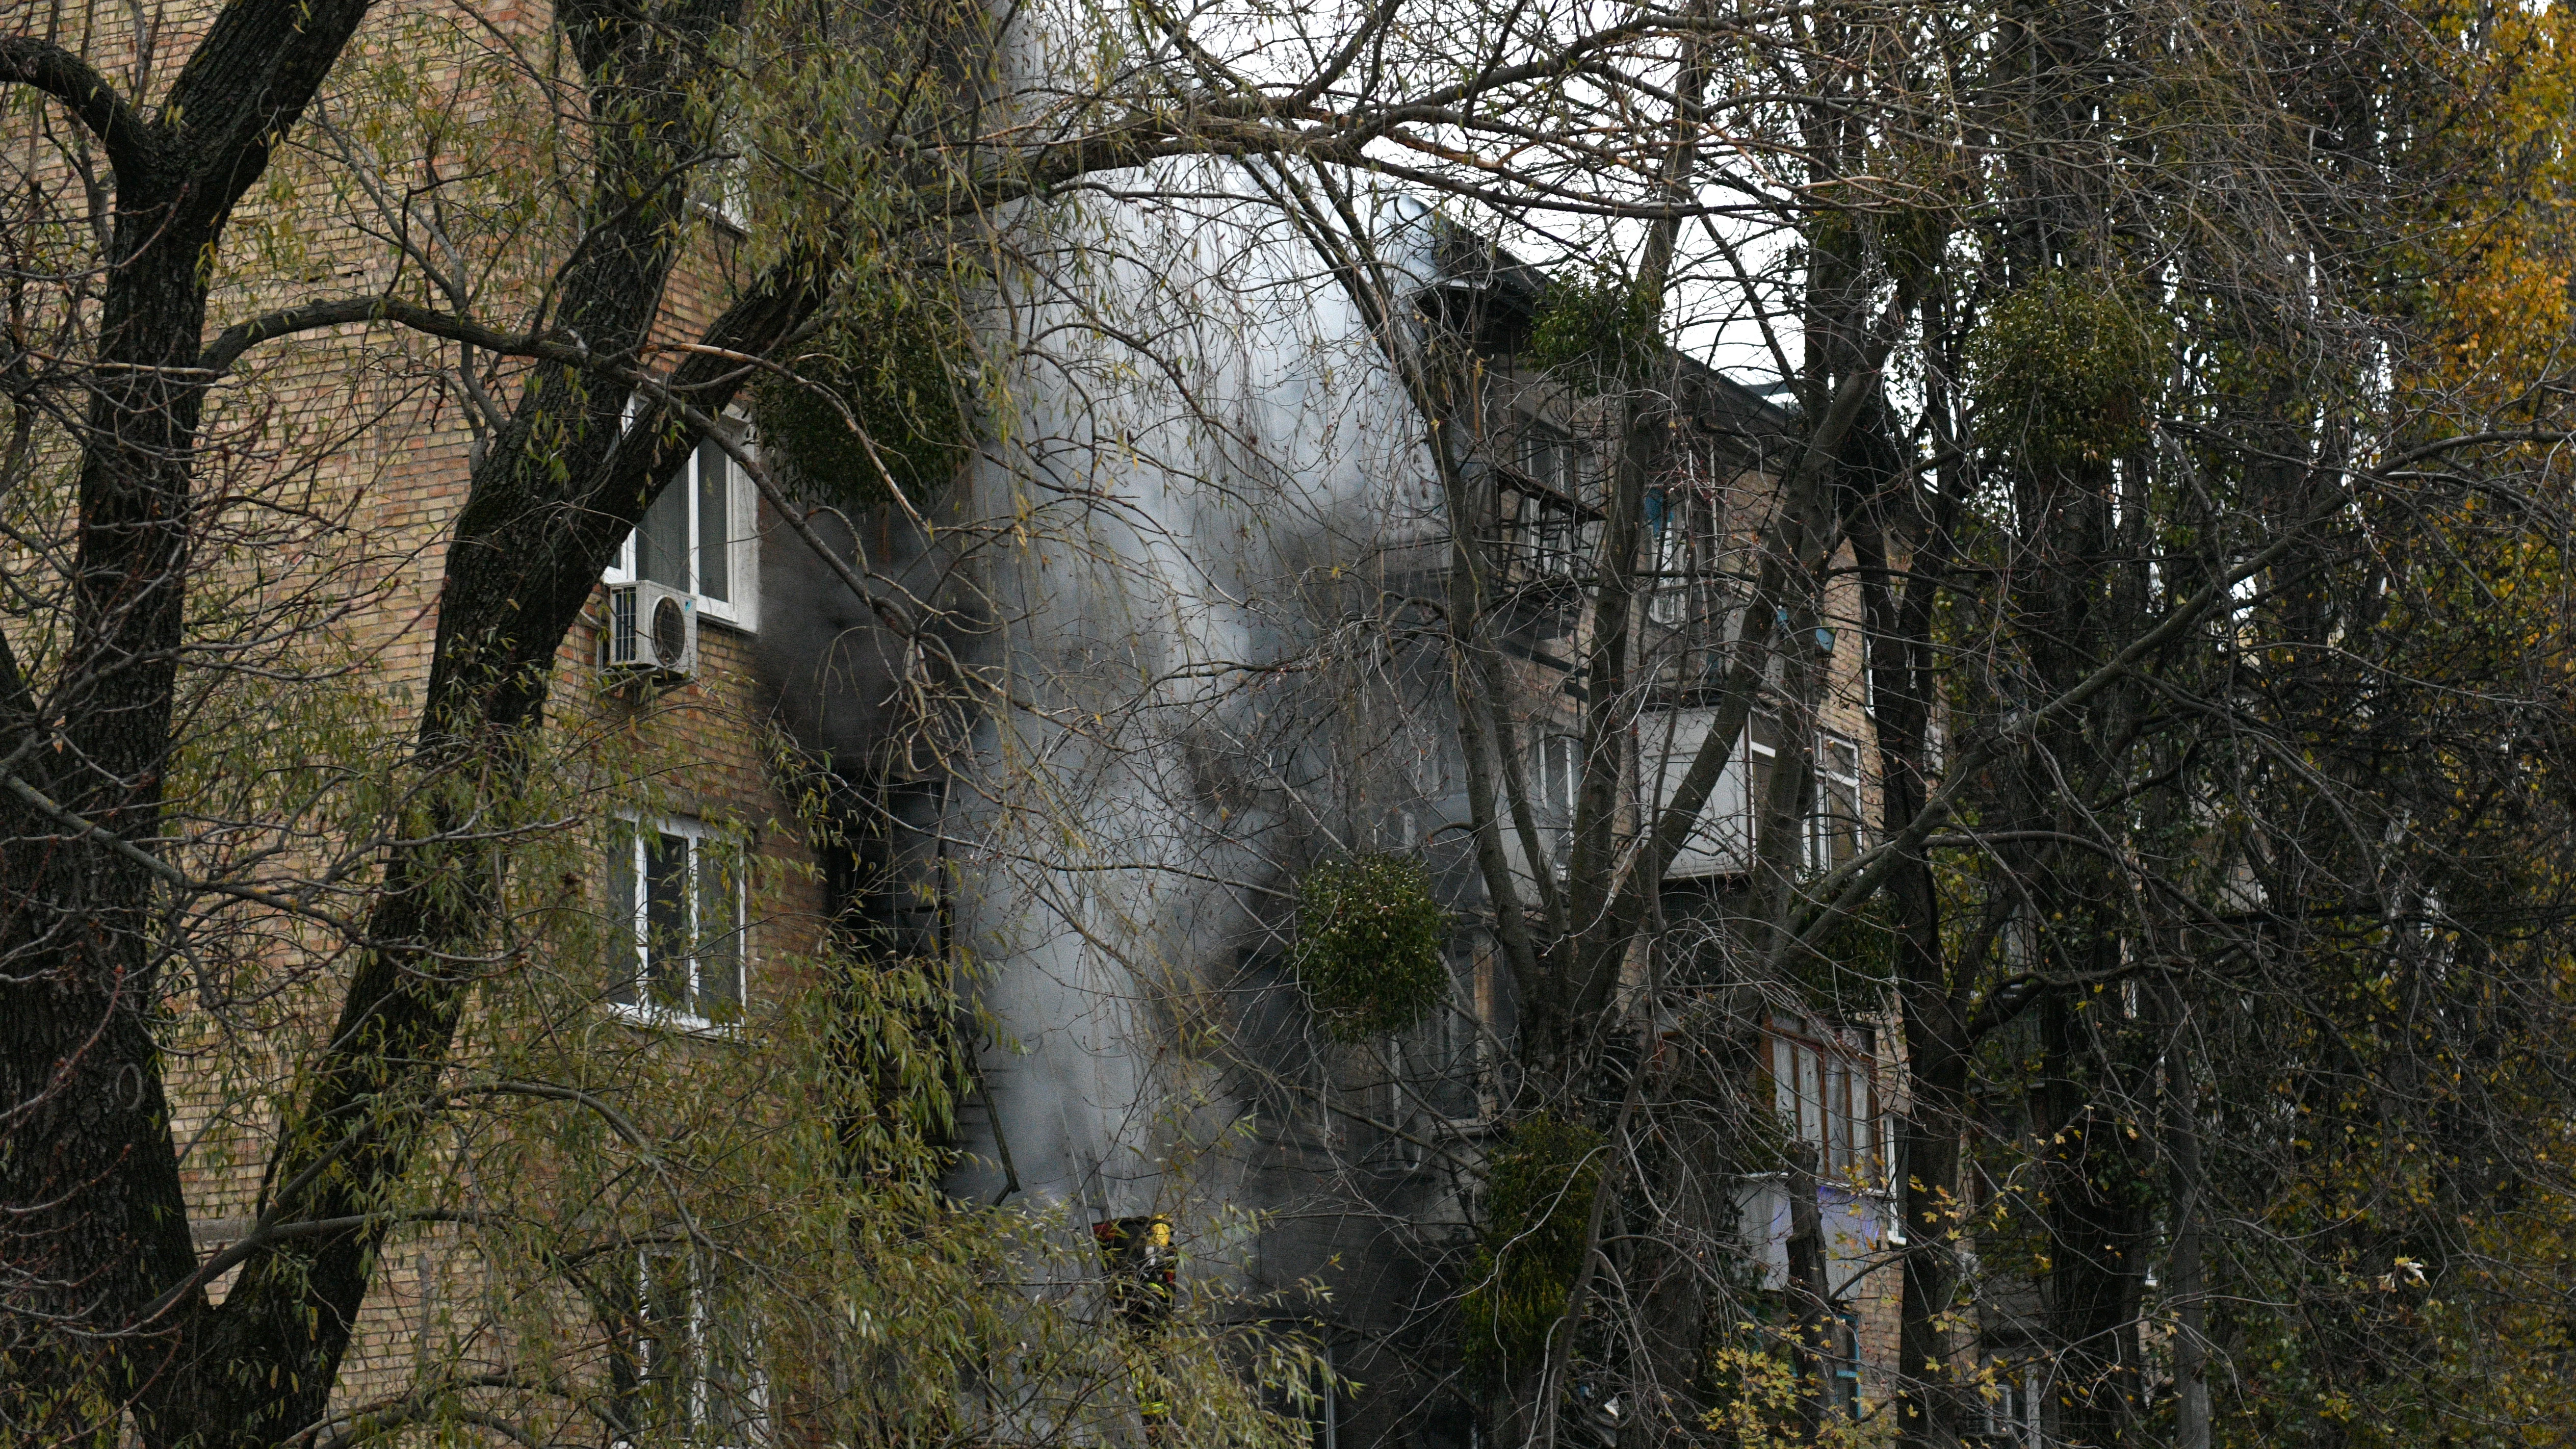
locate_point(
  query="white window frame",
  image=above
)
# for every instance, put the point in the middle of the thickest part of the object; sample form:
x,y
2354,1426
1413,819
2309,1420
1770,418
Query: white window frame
x,y
742,548
1669,603
695,1326
2012,1414
1555,771
1555,776
639,920
722,187
1820,839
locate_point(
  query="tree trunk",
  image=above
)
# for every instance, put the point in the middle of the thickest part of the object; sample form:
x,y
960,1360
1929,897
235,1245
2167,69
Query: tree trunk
x,y
2096,1217
98,1224
1810,1291
1930,1410
1924,1171
1695,1231
2186,1286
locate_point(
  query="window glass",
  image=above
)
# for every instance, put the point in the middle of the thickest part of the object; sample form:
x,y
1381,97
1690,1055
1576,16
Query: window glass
x,y
668,1325
1822,1091
662,540
625,951
719,936
1835,830
722,183
1784,1080
715,522
1435,1068
1846,1359
1762,751
666,918
1811,1098
1550,539
1552,776
699,536
1535,459
1837,1118
1669,602
2012,1415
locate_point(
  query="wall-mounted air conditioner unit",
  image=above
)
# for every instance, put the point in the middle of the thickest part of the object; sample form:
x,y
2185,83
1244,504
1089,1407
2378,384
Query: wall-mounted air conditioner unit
x,y
651,629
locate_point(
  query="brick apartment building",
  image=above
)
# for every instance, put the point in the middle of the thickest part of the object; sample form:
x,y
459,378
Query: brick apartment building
x,y
716,635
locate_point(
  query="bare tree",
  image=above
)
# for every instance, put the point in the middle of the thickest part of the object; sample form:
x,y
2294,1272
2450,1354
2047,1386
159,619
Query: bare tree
x,y
2086,430
2149,540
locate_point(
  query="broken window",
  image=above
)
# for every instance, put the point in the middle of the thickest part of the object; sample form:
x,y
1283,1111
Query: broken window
x,y
1547,530
1546,457
1547,537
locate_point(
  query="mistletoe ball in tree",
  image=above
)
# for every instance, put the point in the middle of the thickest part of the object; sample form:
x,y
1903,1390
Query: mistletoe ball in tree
x,y
1369,939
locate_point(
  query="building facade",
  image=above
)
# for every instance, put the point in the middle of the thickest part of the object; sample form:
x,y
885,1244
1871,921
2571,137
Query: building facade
x,y
1225,668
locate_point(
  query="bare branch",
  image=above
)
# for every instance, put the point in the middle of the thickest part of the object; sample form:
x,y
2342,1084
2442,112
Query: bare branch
x,y
133,142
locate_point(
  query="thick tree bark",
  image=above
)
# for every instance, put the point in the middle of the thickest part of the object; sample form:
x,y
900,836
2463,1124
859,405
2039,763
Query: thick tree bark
x,y
2074,603
2186,1286
1810,1294
88,1161
2078,602
97,1223
1695,1218
1923,1167
1930,1410
2097,1221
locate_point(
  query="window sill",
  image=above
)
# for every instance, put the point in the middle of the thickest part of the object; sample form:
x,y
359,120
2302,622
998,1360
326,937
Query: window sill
x,y
724,216
680,1023
1840,1185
